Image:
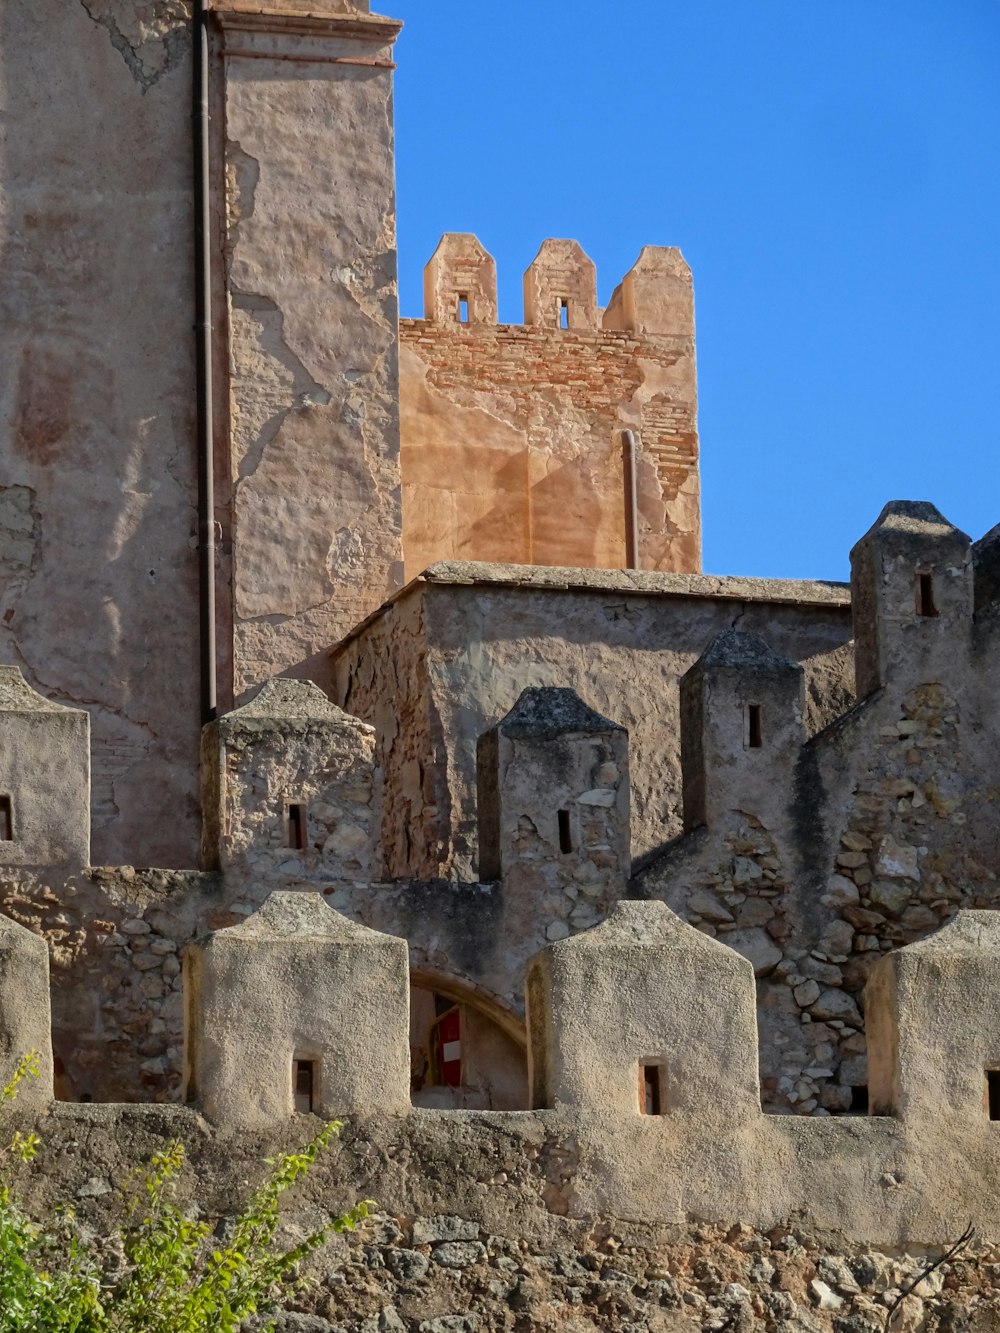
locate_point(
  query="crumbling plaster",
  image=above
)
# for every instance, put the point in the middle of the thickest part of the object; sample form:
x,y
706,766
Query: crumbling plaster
x,y
96,400
313,373
151,38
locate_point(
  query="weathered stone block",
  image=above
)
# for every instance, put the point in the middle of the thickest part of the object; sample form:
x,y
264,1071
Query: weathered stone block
x,y
656,296
460,282
25,1012
554,794
291,790
560,288
742,723
912,596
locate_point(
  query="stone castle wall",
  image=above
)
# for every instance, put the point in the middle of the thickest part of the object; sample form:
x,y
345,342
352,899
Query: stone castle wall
x,y
513,445
810,856
309,482
830,865
469,1236
98,566
507,430
444,660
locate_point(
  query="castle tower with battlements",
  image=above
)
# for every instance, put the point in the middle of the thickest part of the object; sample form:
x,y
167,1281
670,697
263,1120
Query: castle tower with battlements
x,y
371,743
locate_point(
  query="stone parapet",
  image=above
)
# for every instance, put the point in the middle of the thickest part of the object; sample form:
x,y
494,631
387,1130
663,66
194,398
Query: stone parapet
x,y
297,975
298,1010
291,793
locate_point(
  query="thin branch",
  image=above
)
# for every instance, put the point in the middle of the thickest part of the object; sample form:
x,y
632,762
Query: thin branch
x,y
960,1244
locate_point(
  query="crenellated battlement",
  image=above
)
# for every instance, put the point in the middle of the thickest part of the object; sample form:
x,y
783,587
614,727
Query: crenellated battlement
x,y
570,439
610,902
818,939
641,1039
654,300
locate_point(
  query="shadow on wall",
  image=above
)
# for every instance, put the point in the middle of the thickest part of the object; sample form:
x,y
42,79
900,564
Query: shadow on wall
x,y
461,1058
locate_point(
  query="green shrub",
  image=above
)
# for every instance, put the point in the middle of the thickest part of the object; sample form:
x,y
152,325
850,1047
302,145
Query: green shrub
x,y
171,1278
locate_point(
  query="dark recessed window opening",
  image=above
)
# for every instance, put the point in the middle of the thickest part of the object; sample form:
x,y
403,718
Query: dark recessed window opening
x,y
754,734
563,313
6,819
650,1090
304,1084
859,1100
925,595
993,1093
565,834
463,309
297,826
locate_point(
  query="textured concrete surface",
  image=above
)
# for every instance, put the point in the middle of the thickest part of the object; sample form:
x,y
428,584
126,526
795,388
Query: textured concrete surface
x,y
44,779
26,1024
644,998
933,1035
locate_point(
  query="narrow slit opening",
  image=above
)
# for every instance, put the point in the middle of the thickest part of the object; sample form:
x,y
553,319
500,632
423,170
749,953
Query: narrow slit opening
x,y
754,733
296,831
650,1090
925,594
563,313
463,308
6,819
565,833
859,1100
993,1093
304,1085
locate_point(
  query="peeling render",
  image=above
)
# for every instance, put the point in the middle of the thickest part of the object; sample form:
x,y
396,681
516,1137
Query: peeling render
x,y
19,541
151,38
98,573
313,378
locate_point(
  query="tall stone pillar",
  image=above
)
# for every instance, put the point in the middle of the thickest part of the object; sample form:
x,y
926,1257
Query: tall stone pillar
x,y
311,300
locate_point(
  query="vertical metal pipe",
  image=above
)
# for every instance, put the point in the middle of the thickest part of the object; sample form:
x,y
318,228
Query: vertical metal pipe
x,y
631,500
203,359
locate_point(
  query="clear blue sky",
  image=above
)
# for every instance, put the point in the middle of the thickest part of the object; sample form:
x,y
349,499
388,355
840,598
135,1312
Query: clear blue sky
x,y
831,171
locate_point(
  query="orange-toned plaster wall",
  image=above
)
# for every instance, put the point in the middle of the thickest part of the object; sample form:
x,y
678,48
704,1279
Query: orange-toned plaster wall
x,y
512,436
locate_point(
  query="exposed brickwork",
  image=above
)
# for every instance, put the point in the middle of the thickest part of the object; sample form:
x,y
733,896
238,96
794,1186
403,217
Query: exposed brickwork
x,y
513,436
584,384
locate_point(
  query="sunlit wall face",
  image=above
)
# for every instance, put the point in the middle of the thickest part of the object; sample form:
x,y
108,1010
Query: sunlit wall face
x,y
828,172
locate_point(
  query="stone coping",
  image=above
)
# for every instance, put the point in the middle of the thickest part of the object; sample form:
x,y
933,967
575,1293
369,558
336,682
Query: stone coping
x,y
309,17
297,7
630,582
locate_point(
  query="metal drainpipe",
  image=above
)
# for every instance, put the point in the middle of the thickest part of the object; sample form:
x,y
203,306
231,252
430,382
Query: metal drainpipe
x,y
631,501
203,359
